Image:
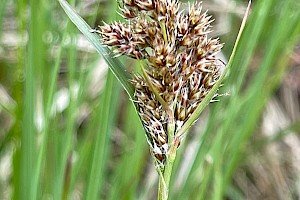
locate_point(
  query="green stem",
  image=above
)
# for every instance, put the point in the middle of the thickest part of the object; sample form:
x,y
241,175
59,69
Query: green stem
x,y
164,180
162,193
164,31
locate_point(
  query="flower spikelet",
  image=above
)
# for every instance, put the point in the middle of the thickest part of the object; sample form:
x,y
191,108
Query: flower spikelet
x,y
180,62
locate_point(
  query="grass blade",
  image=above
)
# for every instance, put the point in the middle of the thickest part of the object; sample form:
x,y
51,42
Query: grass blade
x,y
114,64
29,132
100,151
214,90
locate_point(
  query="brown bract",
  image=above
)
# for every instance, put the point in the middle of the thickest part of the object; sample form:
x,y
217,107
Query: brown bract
x,y
180,61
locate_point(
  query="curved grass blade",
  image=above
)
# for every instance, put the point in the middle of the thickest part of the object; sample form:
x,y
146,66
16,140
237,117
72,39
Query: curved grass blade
x,y
215,88
115,65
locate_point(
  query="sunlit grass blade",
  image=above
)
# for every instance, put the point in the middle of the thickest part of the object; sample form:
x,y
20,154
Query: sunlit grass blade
x,y
215,88
65,148
115,65
100,152
256,23
29,133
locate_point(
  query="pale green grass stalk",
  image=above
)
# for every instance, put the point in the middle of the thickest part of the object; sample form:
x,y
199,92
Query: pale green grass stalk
x,y
16,131
65,153
101,146
28,149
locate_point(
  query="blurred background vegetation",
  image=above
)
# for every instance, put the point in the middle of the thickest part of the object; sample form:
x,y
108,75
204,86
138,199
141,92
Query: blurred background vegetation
x,y
69,131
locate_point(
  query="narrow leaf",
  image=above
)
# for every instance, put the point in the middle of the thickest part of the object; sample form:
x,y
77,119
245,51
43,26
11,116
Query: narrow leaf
x,y
215,88
115,65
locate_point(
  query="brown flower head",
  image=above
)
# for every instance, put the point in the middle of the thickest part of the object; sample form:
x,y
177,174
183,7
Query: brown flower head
x,y
180,62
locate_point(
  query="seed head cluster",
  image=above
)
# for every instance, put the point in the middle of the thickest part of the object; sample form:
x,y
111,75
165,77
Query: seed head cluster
x,y
179,56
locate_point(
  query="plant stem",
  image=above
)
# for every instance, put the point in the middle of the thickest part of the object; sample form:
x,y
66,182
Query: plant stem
x,y
164,180
162,193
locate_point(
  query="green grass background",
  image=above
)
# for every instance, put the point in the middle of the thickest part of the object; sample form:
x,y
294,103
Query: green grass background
x,y
94,147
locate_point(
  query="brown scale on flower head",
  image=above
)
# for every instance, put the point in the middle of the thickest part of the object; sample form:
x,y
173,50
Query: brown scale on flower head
x,y
180,57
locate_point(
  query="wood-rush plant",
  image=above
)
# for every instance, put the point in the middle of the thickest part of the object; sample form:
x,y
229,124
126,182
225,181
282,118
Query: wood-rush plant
x,y
180,73
178,64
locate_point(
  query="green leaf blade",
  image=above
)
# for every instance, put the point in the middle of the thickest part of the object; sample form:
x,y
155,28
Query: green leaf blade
x,y
115,65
